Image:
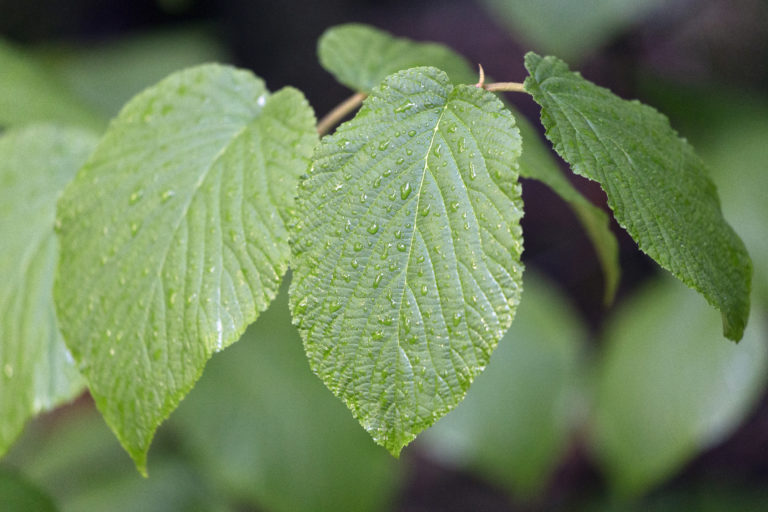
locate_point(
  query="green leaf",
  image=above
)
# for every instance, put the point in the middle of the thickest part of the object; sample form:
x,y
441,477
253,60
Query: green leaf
x,y
361,56
515,423
407,255
36,371
668,387
571,28
82,467
283,427
537,162
19,495
173,237
738,156
656,186
109,74
30,93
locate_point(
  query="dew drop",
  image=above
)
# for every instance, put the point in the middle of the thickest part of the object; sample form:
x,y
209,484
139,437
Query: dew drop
x,y
405,190
334,306
358,246
456,319
301,307
136,196
424,289
377,280
373,228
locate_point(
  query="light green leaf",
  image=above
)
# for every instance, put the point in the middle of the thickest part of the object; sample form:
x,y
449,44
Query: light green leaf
x,y
570,28
668,387
173,237
515,423
407,255
36,371
537,162
361,56
283,427
656,186
30,93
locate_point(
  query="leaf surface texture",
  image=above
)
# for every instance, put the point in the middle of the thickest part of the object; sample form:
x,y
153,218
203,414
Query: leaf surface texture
x,y
174,237
656,185
407,258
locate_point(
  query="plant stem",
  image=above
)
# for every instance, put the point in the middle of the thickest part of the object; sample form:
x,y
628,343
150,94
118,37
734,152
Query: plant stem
x,y
504,87
333,117
498,86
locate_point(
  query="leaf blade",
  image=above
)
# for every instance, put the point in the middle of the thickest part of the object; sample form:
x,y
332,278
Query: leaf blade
x,y
421,342
38,373
667,387
656,186
30,93
173,237
361,56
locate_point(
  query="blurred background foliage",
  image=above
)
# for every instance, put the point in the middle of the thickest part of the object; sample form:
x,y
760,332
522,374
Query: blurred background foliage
x,y
640,406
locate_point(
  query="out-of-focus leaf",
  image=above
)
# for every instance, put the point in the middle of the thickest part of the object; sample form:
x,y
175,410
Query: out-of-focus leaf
x,y
30,93
538,162
80,464
361,56
19,495
514,424
173,237
667,385
656,185
36,371
570,29
704,495
267,431
108,74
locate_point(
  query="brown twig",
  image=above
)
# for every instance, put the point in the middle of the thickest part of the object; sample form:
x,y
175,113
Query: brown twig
x,y
343,109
